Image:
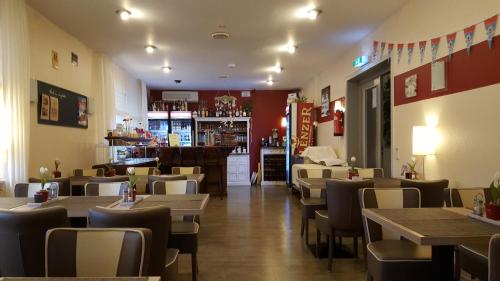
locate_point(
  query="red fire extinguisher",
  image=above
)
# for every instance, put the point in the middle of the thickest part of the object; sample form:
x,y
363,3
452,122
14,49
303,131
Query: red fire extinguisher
x,y
338,123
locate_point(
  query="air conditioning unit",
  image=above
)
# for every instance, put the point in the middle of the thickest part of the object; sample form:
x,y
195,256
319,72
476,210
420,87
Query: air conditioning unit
x,y
179,95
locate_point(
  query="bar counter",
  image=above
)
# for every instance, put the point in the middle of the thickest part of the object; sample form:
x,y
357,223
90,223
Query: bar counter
x,y
211,159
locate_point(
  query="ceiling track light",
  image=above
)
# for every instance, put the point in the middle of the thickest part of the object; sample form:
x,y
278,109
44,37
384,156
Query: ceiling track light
x,y
166,69
312,14
150,48
124,14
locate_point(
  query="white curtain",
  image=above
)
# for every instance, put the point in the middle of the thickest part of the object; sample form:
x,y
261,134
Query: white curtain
x,y
14,91
104,104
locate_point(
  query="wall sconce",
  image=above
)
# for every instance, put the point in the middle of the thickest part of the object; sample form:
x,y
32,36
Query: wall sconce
x,y
424,143
284,123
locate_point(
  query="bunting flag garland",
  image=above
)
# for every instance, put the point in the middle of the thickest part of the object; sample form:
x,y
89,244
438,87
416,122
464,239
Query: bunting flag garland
x,y
469,37
400,51
410,47
375,47
421,47
450,42
434,47
382,49
490,25
390,47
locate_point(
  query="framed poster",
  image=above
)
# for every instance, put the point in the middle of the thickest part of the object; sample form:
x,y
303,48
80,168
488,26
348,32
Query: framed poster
x,y
60,107
325,102
338,116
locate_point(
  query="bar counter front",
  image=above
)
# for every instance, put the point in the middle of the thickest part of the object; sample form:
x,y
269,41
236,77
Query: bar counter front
x,y
211,159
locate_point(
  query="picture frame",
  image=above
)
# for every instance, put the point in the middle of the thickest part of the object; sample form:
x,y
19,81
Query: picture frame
x,y
325,102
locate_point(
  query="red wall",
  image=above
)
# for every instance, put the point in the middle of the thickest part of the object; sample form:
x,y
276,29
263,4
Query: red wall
x,y
463,72
268,109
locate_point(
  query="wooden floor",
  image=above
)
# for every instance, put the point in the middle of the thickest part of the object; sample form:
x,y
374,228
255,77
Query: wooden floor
x,y
254,234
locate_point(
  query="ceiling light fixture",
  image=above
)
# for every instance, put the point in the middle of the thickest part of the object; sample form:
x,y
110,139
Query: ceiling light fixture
x,y
312,14
289,48
270,82
150,48
277,69
166,69
124,14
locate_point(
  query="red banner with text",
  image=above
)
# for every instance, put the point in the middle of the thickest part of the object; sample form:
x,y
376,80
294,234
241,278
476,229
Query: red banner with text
x,y
305,119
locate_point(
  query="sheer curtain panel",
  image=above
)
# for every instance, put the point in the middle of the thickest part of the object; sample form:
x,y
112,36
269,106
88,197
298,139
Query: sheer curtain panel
x,y
14,91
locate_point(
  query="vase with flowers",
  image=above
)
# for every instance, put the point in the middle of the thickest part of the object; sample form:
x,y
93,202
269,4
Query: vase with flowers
x,y
352,168
492,209
44,177
157,170
132,180
56,173
411,173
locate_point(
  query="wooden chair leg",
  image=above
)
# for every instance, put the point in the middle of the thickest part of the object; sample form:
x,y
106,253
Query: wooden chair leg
x,y
331,242
363,241
355,246
194,267
307,230
302,228
458,268
318,242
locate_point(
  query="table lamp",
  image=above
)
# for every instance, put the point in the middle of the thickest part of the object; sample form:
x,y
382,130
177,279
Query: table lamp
x,y
424,143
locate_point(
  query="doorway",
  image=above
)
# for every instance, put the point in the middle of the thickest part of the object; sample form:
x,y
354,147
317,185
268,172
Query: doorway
x,y
369,117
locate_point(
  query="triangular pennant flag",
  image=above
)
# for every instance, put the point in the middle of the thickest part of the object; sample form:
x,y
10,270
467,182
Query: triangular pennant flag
x,y
450,42
400,51
390,47
469,37
375,47
382,49
435,47
410,51
490,25
421,47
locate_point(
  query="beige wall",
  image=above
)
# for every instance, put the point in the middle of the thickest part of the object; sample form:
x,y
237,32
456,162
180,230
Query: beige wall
x,y
74,147
467,149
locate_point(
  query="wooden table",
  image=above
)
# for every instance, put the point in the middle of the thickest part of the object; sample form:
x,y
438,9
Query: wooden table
x,y
441,228
179,204
320,183
13,202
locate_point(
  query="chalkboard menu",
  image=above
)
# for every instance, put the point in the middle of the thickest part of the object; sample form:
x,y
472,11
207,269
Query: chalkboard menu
x,y
60,107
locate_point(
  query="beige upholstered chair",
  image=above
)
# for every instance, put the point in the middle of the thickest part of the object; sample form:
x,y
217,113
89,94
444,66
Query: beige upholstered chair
x,y
108,179
388,256
142,174
464,197
22,239
88,172
97,252
105,188
153,178
29,189
196,170
370,173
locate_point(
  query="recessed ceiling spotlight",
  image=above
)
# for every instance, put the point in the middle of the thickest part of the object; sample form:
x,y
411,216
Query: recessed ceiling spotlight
x,y
309,12
166,69
220,35
150,48
277,69
312,14
289,48
223,76
270,82
231,65
124,14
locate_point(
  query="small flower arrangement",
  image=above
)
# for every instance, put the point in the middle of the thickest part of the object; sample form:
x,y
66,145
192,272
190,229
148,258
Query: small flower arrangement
x,y
56,173
132,178
352,163
158,164
352,171
409,169
44,176
493,208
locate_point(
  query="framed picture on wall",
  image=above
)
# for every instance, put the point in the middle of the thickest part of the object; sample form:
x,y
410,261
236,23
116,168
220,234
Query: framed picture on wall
x,y
325,102
338,116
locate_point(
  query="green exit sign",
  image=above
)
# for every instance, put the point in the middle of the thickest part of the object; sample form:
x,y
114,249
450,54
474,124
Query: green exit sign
x,y
360,61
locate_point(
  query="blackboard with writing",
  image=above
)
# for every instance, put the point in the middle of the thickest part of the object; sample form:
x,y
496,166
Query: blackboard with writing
x,y
60,107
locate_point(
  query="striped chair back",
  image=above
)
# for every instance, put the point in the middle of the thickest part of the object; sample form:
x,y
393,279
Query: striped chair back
x,y
370,173
386,198
464,197
175,187
152,179
196,170
313,174
29,189
105,188
88,172
97,252
109,179
144,171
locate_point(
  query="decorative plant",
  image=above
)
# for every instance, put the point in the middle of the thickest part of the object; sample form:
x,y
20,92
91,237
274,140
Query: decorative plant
x,y
247,106
301,99
132,178
495,190
44,176
57,163
352,163
411,165
157,159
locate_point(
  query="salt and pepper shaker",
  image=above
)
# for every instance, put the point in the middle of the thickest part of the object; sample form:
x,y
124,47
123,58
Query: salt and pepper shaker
x,y
478,205
125,195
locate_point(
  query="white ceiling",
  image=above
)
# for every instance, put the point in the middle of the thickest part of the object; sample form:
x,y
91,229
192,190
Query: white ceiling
x,y
181,30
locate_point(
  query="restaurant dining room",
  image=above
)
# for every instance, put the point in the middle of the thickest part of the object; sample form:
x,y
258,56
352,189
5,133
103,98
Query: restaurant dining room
x,y
269,140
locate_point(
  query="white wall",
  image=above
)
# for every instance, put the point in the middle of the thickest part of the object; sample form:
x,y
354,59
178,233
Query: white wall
x,y
467,150
76,148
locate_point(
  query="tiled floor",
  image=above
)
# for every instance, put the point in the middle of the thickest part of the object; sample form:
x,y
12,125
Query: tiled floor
x,y
254,234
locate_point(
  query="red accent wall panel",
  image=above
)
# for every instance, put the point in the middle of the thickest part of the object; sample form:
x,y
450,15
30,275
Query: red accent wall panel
x,y
268,109
463,72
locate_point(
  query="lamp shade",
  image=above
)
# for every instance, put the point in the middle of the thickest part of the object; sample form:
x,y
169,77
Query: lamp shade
x,y
424,140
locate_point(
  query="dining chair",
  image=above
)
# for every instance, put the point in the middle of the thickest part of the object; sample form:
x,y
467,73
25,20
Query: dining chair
x,y
163,257
494,258
108,179
64,184
22,239
370,173
310,202
342,218
472,257
97,252
142,174
431,192
29,189
464,197
388,256
196,170
153,178
184,234
105,188
88,172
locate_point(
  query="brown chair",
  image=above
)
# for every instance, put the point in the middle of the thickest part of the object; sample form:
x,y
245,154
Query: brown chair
x,y
22,239
343,215
494,258
108,179
97,252
196,170
152,179
388,256
431,192
310,203
105,188
163,260
184,235
64,185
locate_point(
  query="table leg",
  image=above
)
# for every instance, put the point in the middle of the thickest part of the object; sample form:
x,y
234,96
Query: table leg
x,y
442,263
